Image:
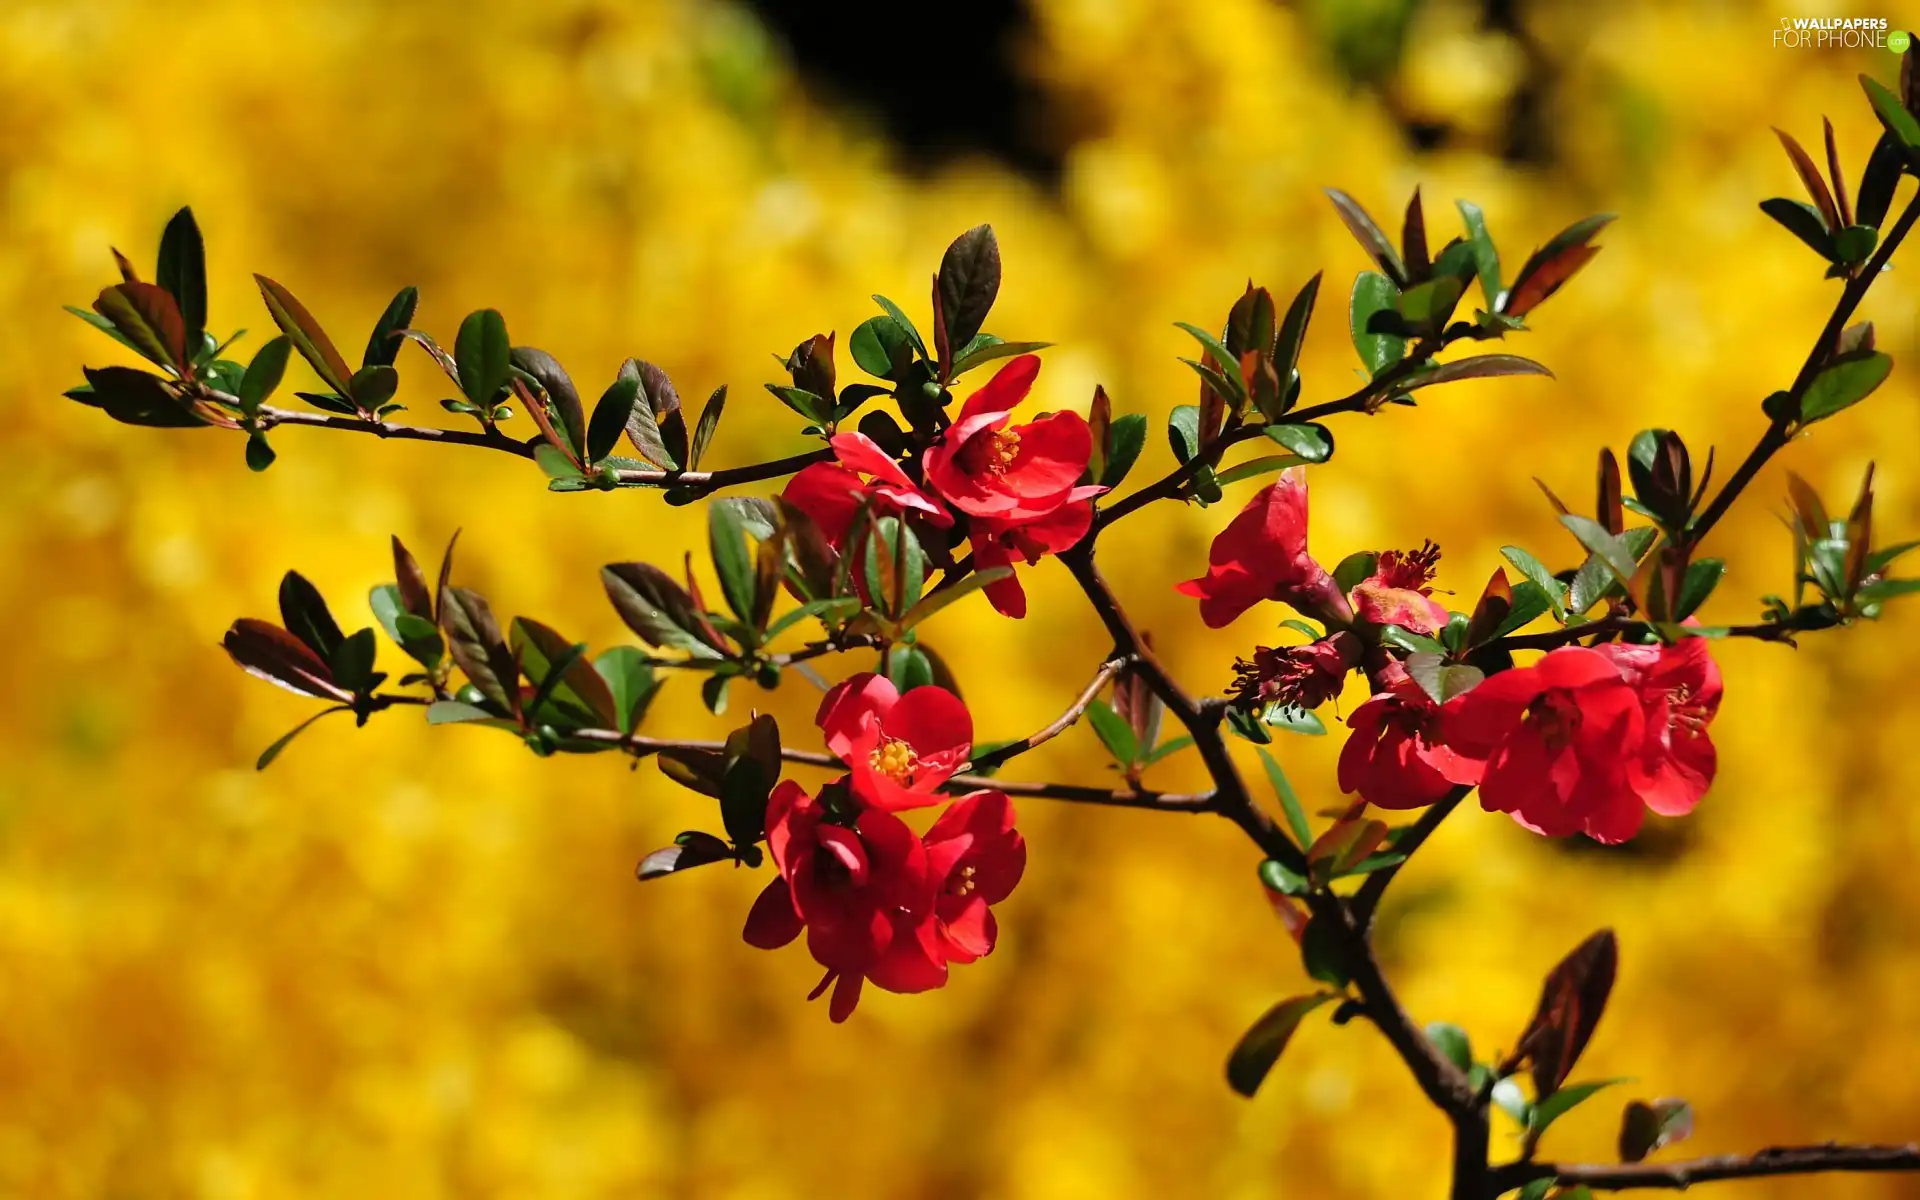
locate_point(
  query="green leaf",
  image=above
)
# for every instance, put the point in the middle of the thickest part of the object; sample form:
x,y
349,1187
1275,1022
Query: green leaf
x,y
1170,746
1486,259
880,347
1126,437
562,677
1227,365
1428,305
1893,114
831,611
260,455
1451,1041
305,614
704,431
1372,293
558,398
352,661
383,344
1279,877
978,354
1114,732
1441,680
1529,601
1294,720
1645,1127
133,398
183,272
713,693
286,739
554,462
906,326
1610,550
1412,643
727,542
264,373
1509,1099
1803,221
933,602
1293,335
1257,466
1289,801
1183,432
1536,572
908,668
1312,443
611,414
1855,243
1323,952
1261,1046
453,712
1844,383
306,335
630,681
104,326
372,387
1887,589
483,355
1701,578
1549,1109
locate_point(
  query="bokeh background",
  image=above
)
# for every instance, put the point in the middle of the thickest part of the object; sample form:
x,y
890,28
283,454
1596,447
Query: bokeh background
x,y
413,962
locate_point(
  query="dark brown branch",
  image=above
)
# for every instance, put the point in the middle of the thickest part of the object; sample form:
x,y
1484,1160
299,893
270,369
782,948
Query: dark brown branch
x,y
1776,434
1367,900
1769,1163
1547,640
1231,798
492,439
703,482
1066,720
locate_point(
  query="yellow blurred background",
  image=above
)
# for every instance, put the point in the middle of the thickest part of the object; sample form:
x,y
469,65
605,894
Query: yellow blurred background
x,y
413,962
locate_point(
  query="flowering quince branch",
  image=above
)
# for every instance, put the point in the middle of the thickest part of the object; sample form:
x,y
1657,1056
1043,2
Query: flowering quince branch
x,y
893,866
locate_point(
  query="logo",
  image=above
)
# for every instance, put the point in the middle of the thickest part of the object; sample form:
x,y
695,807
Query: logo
x,y
1839,33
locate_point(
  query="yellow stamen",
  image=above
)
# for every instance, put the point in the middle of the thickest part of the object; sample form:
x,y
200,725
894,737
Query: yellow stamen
x,y
962,882
1003,447
895,759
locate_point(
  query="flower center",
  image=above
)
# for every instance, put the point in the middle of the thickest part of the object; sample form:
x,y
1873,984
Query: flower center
x,y
1003,446
1556,718
961,884
895,759
1683,715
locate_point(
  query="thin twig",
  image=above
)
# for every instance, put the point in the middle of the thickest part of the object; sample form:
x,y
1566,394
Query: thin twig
x,y
492,439
1366,901
1066,720
1677,1176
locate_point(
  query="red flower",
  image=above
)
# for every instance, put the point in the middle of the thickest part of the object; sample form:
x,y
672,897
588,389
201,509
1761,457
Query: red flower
x,y
975,856
1399,592
1302,676
1395,756
1262,555
900,749
1556,737
831,493
999,543
985,468
864,895
1679,688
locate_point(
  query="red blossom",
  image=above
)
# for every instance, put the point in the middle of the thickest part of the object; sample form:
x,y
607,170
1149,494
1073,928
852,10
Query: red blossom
x,y
898,748
864,895
831,493
1000,543
1679,688
1302,676
1395,757
1557,738
1400,591
975,857
986,467
1262,555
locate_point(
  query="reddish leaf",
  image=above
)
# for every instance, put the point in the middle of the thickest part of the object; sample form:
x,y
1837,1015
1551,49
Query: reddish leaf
x,y
266,651
1610,509
1546,279
1413,240
1369,235
306,335
474,641
127,273
1839,177
411,581
1496,601
1571,1002
1810,179
147,315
